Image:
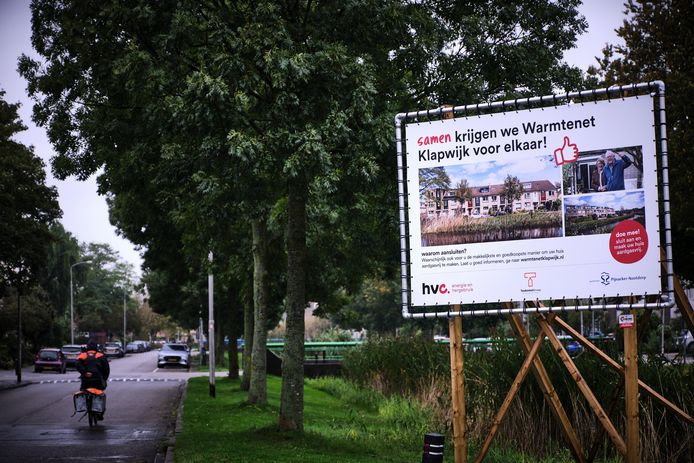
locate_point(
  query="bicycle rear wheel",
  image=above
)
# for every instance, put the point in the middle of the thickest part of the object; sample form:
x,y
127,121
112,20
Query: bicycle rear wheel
x,y
90,414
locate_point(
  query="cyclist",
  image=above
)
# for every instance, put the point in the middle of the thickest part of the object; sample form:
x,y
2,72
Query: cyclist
x,y
94,369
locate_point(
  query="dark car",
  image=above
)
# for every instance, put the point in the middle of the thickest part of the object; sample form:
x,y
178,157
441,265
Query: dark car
x,y
574,348
71,352
172,354
50,359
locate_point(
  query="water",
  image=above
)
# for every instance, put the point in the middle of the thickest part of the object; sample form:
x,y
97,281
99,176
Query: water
x,y
442,239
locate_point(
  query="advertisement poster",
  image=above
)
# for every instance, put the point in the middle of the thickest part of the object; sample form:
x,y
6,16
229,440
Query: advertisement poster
x,y
559,202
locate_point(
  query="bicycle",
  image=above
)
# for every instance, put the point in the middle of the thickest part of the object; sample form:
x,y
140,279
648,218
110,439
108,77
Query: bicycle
x,y
92,402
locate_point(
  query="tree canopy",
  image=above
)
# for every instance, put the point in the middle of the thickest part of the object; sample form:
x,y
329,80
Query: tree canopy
x,y
28,206
658,46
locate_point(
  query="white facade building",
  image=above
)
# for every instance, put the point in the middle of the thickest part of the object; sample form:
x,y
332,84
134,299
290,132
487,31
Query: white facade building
x,y
488,200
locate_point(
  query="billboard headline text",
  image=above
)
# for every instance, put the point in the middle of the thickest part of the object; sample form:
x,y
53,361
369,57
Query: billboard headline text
x,y
464,140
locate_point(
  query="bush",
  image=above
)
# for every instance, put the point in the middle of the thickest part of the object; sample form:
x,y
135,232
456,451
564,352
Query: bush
x,y
417,368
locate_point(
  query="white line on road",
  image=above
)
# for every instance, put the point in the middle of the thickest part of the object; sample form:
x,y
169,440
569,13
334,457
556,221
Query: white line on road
x,y
122,380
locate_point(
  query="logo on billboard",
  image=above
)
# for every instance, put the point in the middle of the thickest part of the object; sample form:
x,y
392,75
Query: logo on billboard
x,y
530,276
605,278
434,289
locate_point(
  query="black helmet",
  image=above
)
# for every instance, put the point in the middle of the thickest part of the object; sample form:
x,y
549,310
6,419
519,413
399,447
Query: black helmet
x,y
91,345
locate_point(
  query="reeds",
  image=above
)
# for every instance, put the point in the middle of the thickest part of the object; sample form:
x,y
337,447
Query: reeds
x,y
419,370
470,225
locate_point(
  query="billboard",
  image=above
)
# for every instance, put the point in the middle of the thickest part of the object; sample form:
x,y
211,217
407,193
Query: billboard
x,y
547,203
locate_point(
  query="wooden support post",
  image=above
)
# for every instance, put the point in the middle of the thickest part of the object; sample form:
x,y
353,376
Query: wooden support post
x,y
545,384
455,326
631,389
612,363
582,385
501,414
681,298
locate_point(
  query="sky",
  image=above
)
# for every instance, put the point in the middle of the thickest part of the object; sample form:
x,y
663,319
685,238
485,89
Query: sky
x,y
85,213
494,172
616,200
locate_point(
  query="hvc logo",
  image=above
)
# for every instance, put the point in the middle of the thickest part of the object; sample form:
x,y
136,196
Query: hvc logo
x,y
434,289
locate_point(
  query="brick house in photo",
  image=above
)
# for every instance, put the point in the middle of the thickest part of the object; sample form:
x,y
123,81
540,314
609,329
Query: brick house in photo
x,y
589,211
487,200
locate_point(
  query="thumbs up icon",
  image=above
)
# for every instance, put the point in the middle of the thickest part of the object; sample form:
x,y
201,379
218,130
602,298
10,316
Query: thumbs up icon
x,y
567,153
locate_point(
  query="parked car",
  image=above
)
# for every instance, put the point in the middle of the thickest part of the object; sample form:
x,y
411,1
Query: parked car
x,y
144,345
686,340
132,348
113,349
172,354
596,334
50,359
71,352
573,348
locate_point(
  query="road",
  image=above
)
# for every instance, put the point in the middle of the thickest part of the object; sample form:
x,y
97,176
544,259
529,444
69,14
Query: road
x,y
35,422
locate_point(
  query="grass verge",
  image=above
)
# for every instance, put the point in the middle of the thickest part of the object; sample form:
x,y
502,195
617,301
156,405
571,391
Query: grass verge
x,y
342,424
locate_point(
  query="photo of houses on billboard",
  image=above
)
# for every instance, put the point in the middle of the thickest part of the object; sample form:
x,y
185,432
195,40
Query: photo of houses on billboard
x,y
599,213
490,201
603,188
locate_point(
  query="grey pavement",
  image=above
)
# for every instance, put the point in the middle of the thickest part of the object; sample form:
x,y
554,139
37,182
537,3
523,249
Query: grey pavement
x,y
142,405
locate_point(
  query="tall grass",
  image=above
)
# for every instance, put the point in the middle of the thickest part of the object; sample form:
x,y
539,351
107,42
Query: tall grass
x,y
419,369
466,224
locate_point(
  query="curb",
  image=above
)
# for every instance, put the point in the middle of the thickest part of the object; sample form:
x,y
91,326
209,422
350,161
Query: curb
x,y
178,427
8,386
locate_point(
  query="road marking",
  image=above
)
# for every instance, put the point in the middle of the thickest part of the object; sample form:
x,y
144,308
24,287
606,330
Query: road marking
x,y
119,380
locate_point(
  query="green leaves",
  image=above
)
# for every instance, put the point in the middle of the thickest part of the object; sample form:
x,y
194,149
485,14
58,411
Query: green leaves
x,y
27,205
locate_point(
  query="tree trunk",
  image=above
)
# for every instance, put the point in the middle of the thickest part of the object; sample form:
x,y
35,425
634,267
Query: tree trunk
x,y
292,398
257,392
247,343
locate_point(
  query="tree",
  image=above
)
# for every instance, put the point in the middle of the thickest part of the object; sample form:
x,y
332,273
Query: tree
x,y
98,296
433,178
513,189
658,46
375,307
54,278
463,192
27,206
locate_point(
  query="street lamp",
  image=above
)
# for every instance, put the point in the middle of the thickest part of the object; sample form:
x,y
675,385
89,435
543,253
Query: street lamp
x,y
124,317
72,308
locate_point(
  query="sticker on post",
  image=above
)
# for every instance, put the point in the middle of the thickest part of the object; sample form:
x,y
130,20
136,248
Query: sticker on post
x,y
626,320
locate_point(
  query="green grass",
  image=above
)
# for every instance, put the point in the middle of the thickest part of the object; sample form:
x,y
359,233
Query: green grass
x,y
342,424
229,429
206,368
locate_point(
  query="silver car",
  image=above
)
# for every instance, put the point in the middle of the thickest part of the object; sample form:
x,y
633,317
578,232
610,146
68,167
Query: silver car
x,y
172,354
113,349
71,352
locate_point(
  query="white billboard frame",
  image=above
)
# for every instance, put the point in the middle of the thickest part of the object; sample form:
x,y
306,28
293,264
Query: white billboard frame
x,y
654,90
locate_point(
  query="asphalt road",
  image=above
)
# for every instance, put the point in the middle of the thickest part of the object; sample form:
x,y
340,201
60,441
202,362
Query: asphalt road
x,y
142,401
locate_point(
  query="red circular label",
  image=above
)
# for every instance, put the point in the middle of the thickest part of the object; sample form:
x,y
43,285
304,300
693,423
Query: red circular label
x,y
628,242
